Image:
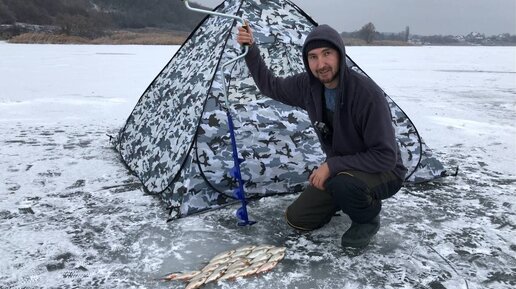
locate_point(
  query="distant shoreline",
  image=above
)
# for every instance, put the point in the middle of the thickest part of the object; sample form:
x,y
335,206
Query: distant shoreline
x,y
136,36
148,37
151,36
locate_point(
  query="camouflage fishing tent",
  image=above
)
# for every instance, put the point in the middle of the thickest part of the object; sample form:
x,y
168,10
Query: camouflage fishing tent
x,y
176,139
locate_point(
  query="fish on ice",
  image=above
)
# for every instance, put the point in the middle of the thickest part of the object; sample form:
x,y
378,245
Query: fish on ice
x,y
245,261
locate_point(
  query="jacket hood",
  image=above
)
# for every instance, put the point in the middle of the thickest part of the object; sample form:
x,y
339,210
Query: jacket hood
x,y
325,32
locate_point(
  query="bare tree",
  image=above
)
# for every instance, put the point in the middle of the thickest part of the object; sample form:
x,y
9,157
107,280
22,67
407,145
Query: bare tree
x,y
407,34
367,32
90,26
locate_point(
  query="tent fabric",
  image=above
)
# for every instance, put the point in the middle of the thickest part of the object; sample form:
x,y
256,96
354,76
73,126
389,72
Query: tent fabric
x,y
176,139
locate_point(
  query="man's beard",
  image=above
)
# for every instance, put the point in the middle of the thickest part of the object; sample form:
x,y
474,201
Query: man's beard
x,y
327,76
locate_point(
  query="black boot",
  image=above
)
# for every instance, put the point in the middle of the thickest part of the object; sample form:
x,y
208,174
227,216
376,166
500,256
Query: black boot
x,y
359,235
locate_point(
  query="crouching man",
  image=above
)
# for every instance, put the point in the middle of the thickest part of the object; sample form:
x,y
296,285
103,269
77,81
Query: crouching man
x,y
352,120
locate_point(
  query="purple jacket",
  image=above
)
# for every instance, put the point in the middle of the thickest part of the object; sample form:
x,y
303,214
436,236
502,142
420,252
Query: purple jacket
x,y
363,135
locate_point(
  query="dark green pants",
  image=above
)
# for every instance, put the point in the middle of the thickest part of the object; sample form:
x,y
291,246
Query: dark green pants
x,y
356,193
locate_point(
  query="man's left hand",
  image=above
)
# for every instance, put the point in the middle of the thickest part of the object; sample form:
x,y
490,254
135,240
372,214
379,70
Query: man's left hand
x,y
320,176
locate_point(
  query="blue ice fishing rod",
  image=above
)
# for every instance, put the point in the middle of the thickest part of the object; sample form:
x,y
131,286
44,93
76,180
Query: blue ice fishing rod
x,y
235,172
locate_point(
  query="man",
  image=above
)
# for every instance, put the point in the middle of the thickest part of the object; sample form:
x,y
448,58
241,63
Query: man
x,y
353,123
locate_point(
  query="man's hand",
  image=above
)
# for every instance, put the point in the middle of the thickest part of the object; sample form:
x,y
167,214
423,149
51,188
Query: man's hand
x,y
245,35
320,176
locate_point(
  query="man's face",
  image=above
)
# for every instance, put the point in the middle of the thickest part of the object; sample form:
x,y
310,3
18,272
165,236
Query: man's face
x,y
324,65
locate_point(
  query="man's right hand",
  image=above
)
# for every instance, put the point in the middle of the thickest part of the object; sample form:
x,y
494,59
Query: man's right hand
x,y
319,176
245,35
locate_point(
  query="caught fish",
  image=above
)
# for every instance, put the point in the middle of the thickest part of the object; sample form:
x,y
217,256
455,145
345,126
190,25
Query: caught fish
x,y
262,257
170,276
267,267
241,253
261,247
278,257
211,267
245,248
214,276
276,250
202,275
229,275
181,276
248,271
259,264
241,262
256,253
196,283
221,260
222,255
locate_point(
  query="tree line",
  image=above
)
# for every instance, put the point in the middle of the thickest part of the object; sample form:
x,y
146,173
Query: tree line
x,y
92,18
95,18
369,34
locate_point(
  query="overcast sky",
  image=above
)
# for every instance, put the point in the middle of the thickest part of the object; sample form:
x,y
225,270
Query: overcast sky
x,y
424,17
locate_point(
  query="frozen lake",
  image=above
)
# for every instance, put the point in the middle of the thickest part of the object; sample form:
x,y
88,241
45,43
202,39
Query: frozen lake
x,y
72,217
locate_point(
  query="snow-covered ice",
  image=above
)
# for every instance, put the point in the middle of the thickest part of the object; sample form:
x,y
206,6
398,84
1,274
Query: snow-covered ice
x,y
71,216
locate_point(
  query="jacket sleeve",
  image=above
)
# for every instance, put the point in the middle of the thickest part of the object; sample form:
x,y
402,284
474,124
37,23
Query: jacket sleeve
x,y
375,124
286,90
